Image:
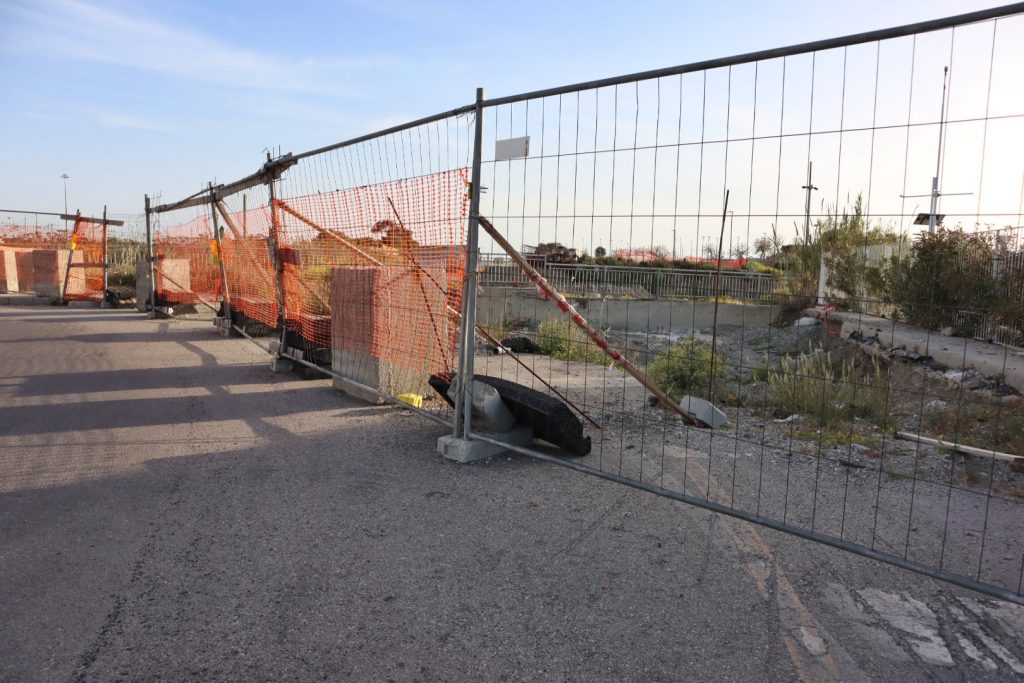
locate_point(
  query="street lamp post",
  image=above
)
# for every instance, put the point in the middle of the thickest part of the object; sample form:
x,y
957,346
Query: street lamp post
x,y
64,177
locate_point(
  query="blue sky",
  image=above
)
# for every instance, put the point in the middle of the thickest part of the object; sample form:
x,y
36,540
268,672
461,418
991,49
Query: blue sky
x,y
131,97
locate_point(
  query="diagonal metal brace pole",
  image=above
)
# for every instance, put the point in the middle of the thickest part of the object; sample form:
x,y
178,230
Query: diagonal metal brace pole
x,y
595,336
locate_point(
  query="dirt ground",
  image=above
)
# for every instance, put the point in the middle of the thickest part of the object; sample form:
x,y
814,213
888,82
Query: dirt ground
x,y
850,479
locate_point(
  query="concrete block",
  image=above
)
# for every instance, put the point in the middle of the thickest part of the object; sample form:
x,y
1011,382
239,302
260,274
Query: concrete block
x,y
24,300
357,391
704,411
281,365
142,285
224,327
23,272
49,267
174,275
385,328
465,451
9,269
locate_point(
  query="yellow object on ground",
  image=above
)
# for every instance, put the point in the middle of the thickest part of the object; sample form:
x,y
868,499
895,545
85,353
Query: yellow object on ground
x,y
415,400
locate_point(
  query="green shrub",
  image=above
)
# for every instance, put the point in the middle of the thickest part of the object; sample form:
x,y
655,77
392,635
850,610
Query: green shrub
x,y
560,338
762,269
840,241
685,368
947,281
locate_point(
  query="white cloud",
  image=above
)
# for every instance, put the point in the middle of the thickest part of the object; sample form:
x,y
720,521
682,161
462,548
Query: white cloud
x,y
73,29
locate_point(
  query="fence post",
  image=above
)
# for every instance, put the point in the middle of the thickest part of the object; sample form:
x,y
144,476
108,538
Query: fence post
x,y
225,295
151,261
103,300
463,402
275,260
71,258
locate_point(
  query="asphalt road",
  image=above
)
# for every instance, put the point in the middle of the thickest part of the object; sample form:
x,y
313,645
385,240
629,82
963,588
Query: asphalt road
x,y
170,509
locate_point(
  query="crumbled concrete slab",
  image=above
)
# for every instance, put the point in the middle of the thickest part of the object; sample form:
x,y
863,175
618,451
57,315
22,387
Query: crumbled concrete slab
x,y
703,410
957,353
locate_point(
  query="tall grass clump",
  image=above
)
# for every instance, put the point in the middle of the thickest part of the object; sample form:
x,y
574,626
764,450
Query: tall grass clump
x,y
814,384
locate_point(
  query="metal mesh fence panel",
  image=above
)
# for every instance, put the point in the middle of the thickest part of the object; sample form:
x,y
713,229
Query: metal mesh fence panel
x,y
126,254
845,407
726,283
246,248
186,264
22,234
84,279
54,255
371,242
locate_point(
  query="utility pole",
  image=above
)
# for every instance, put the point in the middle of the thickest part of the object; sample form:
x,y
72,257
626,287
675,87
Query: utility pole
x,y
807,206
932,220
933,214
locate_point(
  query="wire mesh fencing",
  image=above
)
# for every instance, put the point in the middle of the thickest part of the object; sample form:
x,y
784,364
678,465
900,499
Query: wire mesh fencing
x,y
245,227
22,234
85,270
348,259
842,406
60,256
126,256
186,272
716,291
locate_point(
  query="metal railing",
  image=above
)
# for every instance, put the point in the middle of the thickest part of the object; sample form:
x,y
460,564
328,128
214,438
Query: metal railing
x,y
633,282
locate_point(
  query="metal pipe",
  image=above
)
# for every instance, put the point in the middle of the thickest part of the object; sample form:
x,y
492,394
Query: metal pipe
x,y
932,218
467,357
58,214
150,258
71,256
801,48
104,252
458,111
220,254
284,206
714,324
275,261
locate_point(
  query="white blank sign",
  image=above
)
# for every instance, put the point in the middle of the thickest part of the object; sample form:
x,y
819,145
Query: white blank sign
x,y
512,148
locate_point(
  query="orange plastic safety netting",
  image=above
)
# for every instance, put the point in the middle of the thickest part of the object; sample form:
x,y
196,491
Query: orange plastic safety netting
x,y
85,272
252,280
19,245
378,269
53,261
187,263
